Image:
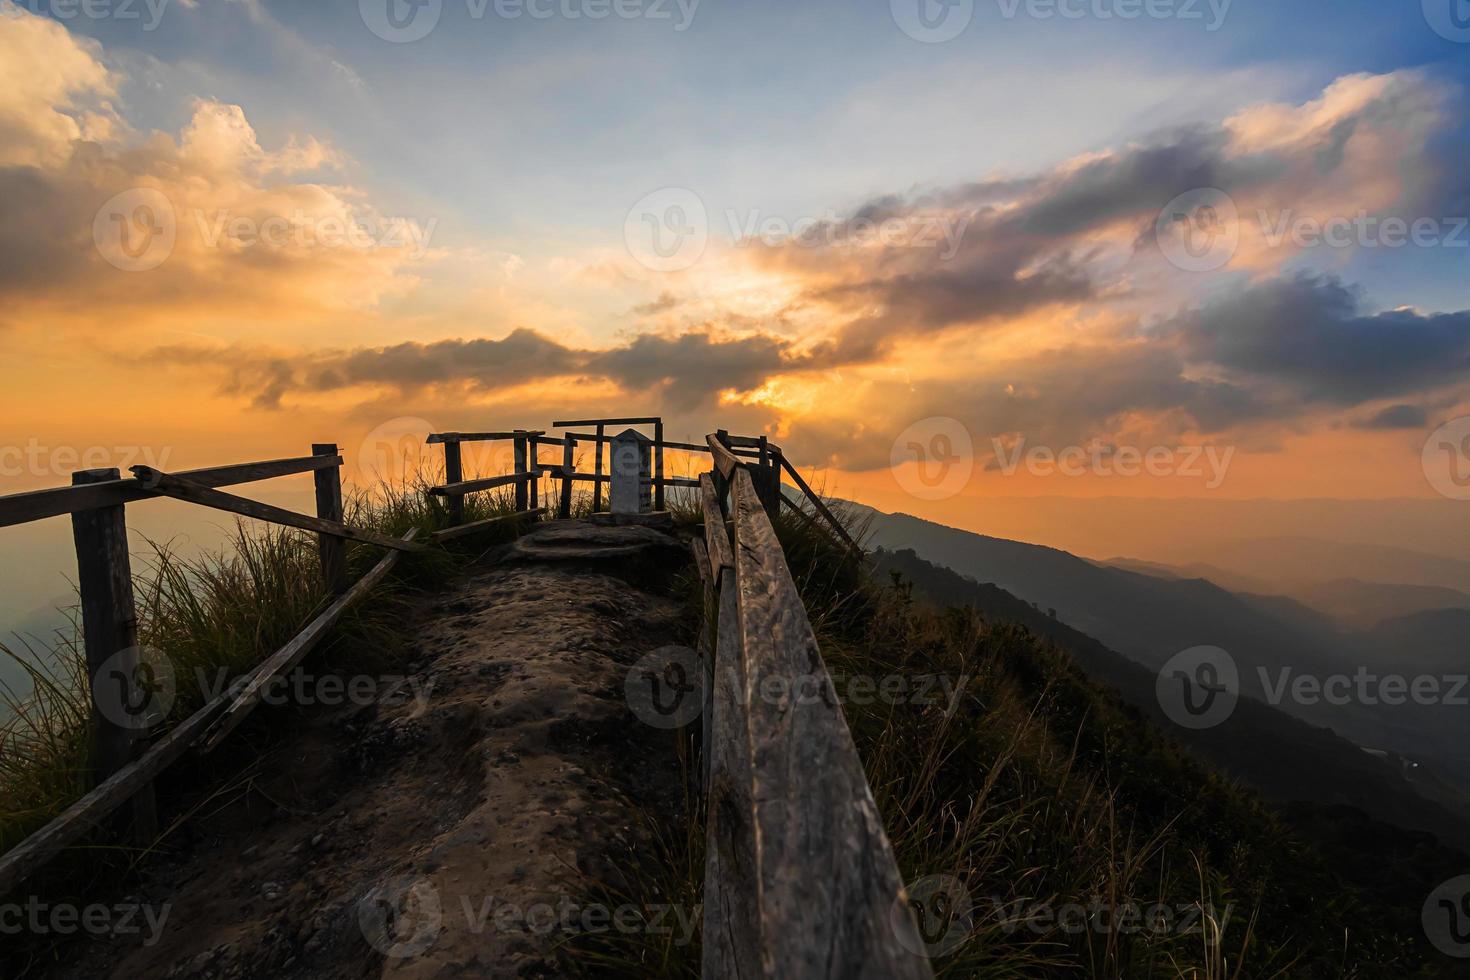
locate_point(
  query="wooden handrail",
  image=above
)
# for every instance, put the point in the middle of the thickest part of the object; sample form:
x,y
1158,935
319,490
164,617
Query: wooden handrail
x,y
475,486
801,879
438,438
35,505
171,485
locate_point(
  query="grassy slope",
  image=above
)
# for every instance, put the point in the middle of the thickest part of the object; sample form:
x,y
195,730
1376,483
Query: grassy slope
x,y
1044,788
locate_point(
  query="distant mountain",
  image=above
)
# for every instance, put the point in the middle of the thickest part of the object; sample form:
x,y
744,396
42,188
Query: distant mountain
x,y
1281,757
1290,564
1364,605
1149,619
1226,579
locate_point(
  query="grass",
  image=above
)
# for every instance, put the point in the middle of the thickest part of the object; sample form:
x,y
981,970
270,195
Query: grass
x,y
1040,793
213,617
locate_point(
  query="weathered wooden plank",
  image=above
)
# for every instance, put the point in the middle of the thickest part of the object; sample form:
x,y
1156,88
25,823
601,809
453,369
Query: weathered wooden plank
x,y
523,486
284,659
453,474
597,471
725,461
644,421
568,470
658,465
716,537
449,534
819,505
35,505
174,486
828,882
23,860
446,437
475,486
333,549
110,639
732,929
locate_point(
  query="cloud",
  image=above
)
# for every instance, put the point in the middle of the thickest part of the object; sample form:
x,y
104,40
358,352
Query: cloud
x,y
1312,334
1395,417
684,371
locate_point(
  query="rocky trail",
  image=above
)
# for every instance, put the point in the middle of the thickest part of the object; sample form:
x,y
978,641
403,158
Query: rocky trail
x,y
453,829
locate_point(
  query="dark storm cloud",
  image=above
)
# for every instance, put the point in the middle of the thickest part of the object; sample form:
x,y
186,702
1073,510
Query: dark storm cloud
x,y
1395,417
688,369
1312,334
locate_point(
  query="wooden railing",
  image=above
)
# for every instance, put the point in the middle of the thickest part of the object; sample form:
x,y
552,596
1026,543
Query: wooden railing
x,y
123,765
800,879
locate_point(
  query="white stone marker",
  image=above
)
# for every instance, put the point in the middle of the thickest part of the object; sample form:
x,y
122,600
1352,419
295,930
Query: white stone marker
x,y
632,468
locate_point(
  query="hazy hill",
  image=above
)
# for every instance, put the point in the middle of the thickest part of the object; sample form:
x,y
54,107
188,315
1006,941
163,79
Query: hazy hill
x,y
1285,759
1148,619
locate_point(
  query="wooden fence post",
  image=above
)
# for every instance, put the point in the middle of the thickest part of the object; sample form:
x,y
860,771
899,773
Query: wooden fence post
x,y
533,460
597,484
329,507
658,465
454,473
522,490
110,637
568,450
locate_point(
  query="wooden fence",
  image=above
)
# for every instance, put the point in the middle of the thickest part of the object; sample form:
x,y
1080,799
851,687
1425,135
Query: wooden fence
x,y
800,879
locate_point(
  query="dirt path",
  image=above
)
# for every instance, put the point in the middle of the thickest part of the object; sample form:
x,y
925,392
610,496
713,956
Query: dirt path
x,y
414,838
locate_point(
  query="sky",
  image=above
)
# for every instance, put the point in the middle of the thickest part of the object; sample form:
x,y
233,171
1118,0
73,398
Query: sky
x,y
942,251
